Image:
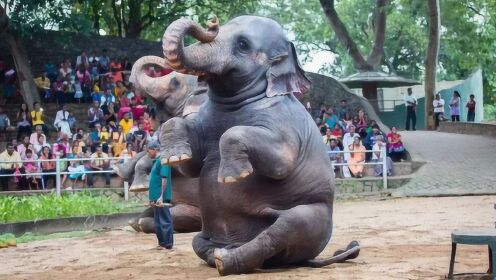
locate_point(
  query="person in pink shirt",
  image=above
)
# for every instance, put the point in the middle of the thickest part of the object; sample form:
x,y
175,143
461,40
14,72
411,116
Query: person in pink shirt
x,y
33,139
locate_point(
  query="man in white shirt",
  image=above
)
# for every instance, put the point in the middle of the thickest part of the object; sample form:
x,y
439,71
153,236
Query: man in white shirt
x,y
411,104
379,155
438,104
347,141
62,121
99,162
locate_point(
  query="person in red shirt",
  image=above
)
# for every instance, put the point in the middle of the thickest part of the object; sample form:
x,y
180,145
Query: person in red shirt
x,y
137,108
471,109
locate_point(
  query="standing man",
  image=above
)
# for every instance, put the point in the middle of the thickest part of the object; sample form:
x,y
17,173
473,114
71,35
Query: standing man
x,y
160,191
411,104
438,104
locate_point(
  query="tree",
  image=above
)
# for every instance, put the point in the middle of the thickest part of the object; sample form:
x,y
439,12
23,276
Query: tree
x,y
19,55
374,58
431,61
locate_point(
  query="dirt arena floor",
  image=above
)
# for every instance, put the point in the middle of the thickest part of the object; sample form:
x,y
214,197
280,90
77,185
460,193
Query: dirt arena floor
x,y
401,238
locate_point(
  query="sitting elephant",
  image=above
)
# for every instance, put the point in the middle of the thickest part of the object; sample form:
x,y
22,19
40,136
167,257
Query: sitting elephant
x,y
175,95
266,190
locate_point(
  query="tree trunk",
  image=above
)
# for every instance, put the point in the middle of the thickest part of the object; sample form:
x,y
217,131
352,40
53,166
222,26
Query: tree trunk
x,y
29,90
135,22
431,61
375,56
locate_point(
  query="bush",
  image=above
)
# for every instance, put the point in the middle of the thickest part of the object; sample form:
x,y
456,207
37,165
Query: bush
x,y
15,208
489,112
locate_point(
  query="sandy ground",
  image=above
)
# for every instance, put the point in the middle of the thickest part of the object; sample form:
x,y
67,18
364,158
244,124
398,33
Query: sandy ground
x,y
401,239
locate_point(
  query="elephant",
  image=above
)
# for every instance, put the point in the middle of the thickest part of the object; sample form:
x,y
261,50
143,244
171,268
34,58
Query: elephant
x,y
265,188
175,95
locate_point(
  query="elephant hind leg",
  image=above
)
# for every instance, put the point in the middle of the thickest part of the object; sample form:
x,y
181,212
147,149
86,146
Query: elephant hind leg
x,y
186,218
298,234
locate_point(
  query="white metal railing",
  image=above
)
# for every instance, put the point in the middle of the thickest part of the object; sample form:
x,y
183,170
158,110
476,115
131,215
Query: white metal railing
x,y
58,172
383,161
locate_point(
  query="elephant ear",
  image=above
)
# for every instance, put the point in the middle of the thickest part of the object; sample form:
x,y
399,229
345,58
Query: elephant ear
x,y
285,75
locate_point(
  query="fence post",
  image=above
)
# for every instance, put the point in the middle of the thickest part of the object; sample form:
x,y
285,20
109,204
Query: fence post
x,y
57,175
384,167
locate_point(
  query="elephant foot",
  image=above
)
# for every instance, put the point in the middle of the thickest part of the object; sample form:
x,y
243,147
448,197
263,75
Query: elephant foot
x,y
147,225
224,262
138,188
233,171
175,160
134,224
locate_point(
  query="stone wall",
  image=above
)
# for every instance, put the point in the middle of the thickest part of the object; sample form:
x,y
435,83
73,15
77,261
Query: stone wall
x,y
328,91
54,47
469,128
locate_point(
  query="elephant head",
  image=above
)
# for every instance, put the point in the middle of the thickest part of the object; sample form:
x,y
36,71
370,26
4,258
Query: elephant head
x,y
172,93
247,56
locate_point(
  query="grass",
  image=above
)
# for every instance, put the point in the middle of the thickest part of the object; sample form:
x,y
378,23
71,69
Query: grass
x,y
30,237
29,208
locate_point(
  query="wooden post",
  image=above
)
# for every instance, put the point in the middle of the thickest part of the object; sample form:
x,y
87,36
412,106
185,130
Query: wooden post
x,y
431,61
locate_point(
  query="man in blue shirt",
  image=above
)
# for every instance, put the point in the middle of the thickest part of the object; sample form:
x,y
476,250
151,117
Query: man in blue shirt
x,y
160,192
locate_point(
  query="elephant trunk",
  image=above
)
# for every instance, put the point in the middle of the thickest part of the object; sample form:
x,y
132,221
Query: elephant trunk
x,y
156,88
195,59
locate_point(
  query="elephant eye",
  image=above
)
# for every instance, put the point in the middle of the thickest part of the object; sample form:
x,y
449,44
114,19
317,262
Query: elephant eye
x,y
243,45
174,83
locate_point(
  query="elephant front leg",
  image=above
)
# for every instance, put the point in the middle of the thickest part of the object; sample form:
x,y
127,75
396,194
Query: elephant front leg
x,y
174,143
243,148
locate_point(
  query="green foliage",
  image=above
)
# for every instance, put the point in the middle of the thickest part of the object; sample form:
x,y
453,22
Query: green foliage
x,y
15,208
489,112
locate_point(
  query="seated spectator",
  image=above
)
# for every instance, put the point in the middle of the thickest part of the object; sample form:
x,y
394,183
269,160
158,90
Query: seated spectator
x,y
330,119
104,62
118,141
82,60
99,162
327,137
10,161
370,139
96,91
40,143
347,121
380,145
147,122
5,122
95,115
76,168
140,138
152,136
62,120
126,123
58,88
115,70
128,152
37,117
137,108
348,139
109,112
361,124
83,77
35,136
21,148
23,121
357,157
31,166
396,150
47,166
333,153
343,110
337,132
65,71
126,65
43,84
51,72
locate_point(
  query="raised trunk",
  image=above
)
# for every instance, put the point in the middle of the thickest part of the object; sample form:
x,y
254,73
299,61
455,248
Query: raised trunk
x,y
29,90
153,87
431,61
193,59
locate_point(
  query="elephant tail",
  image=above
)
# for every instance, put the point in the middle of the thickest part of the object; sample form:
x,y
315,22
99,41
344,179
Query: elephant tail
x,y
351,252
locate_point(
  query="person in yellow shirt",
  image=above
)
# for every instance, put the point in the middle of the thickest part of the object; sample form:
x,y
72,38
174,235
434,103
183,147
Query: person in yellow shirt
x,y
126,123
43,85
11,160
37,117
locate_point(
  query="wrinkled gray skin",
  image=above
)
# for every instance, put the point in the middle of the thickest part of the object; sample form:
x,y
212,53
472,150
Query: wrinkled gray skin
x,y
266,191
176,95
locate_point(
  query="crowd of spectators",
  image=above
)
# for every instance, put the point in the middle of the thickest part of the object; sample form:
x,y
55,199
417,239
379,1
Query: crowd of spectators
x,y
119,124
349,136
